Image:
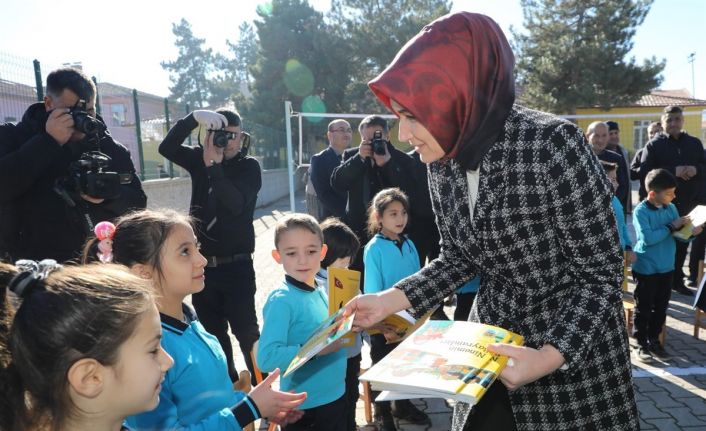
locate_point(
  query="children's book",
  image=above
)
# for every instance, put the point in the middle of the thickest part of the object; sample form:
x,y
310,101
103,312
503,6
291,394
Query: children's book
x,y
402,324
343,285
442,359
697,217
330,330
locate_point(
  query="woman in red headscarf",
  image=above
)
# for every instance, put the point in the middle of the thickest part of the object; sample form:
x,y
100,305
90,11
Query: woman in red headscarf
x,y
521,202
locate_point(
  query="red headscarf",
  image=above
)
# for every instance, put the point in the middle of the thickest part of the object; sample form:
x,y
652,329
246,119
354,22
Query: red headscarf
x,y
456,77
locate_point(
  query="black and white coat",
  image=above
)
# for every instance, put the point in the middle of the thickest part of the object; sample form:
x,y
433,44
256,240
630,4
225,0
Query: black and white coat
x,y
543,239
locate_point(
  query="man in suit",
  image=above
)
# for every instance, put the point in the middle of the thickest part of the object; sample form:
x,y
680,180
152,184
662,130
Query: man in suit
x,y
331,202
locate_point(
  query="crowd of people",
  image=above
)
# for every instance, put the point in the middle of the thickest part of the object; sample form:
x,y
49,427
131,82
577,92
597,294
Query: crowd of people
x,y
517,212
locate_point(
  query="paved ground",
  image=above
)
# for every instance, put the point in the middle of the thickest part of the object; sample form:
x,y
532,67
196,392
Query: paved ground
x,y
670,395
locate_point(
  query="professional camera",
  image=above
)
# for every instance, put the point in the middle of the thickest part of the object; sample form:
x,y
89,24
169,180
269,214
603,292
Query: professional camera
x,y
220,138
88,176
379,144
83,122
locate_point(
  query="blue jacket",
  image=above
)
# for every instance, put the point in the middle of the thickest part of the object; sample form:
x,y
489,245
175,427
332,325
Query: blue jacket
x,y
291,314
655,246
471,286
387,261
197,394
333,203
625,241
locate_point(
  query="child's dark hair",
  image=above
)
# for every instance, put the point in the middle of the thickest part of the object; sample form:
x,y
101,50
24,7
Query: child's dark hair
x,y
340,240
380,202
139,237
74,313
659,180
608,166
297,221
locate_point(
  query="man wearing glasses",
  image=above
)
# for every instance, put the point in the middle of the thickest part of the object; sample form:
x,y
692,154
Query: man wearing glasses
x,y
331,202
224,187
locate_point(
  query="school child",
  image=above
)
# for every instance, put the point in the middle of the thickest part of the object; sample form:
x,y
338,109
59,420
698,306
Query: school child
x,y
654,219
291,314
343,245
389,257
611,170
197,393
83,351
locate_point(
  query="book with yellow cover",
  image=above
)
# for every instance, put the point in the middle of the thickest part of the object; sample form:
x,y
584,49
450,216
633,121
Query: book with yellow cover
x,y
402,324
697,217
343,285
442,359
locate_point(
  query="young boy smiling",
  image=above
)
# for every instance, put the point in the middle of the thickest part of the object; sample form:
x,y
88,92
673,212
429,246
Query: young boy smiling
x,y
291,314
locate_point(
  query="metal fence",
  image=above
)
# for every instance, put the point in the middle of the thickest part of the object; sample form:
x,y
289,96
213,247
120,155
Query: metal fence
x,y
134,118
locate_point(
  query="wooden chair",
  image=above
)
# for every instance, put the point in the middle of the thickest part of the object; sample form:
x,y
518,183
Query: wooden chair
x,y
367,399
259,379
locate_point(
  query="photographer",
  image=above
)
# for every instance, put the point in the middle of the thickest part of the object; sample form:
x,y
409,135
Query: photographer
x,y
375,165
224,187
60,173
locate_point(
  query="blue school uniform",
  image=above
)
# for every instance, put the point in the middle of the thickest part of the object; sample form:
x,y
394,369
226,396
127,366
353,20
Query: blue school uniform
x,y
388,261
197,393
655,246
625,241
291,314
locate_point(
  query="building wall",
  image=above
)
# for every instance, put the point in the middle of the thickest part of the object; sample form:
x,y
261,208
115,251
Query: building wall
x,y
175,193
692,121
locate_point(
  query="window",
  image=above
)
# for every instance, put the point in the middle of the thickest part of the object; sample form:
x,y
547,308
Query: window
x,y
117,113
640,133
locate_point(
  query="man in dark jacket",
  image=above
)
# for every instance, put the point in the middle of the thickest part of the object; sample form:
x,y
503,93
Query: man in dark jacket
x,y
331,202
47,208
623,168
224,187
597,136
683,156
362,173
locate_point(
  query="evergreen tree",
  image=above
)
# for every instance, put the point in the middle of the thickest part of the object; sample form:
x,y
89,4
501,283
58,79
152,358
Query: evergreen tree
x,y
376,31
574,53
190,71
233,80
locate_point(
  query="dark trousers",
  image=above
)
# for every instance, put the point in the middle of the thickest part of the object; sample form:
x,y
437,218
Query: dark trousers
x,y
464,302
652,295
493,411
378,350
698,249
352,391
425,235
229,298
679,258
328,417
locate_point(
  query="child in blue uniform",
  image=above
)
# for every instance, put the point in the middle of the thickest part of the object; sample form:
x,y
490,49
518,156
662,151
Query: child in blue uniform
x,y
83,350
343,245
611,170
197,393
291,314
389,257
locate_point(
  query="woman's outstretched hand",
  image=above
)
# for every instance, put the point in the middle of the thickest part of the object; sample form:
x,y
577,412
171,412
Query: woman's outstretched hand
x,y
372,308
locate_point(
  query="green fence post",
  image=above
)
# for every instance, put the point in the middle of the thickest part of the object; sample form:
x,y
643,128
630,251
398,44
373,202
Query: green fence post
x,y
138,132
98,102
166,116
188,111
38,80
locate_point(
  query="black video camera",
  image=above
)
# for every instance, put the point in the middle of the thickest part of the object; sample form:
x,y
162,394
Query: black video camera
x,y
379,144
87,176
83,122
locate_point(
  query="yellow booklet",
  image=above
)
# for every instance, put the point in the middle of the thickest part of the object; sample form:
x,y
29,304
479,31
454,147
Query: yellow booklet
x,y
442,359
697,217
343,285
401,323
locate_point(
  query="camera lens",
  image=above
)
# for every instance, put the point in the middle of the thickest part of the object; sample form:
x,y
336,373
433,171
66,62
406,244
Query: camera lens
x,y
220,138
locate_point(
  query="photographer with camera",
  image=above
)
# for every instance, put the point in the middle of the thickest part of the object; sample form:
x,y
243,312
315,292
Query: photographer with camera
x,y
375,165
60,173
224,187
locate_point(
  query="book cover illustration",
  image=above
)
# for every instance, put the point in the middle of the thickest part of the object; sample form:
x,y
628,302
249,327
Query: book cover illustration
x,y
329,331
442,359
402,324
343,285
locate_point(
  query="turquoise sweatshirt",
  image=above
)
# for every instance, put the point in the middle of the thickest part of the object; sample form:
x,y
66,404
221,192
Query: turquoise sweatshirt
x,y
291,314
625,241
655,246
387,261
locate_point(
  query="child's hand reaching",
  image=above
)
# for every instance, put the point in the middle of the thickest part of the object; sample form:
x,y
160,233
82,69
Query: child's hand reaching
x,y
680,222
275,405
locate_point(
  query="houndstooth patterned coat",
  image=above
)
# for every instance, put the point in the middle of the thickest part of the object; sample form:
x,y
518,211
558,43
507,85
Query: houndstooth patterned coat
x,y
543,239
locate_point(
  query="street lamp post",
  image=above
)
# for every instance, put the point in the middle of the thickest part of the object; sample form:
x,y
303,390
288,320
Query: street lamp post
x,y
690,59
